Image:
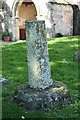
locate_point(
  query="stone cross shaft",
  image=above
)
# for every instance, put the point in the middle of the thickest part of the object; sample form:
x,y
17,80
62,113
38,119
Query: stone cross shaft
x,y
37,55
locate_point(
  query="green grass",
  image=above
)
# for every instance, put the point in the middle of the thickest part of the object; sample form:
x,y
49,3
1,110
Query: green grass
x,y
15,69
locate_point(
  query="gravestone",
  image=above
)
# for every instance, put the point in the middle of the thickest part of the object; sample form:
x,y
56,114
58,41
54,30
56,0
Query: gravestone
x,y
77,56
41,92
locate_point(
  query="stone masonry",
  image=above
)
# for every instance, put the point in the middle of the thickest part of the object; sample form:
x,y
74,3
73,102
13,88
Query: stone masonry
x,y
60,18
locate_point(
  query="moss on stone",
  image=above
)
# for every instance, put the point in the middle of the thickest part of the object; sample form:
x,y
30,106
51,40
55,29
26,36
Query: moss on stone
x,y
36,99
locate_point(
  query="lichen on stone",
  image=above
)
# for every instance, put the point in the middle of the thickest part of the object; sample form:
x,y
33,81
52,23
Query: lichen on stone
x,y
37,52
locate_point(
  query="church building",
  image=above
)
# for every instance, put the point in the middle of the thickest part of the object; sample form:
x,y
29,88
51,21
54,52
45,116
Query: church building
x,y
60,16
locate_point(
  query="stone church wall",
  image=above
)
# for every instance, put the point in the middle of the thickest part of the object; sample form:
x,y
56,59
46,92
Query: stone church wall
x,y
62,19
5,16
1,17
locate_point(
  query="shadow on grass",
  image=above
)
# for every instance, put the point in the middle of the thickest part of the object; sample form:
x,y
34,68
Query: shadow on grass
x,y
61,49
14,62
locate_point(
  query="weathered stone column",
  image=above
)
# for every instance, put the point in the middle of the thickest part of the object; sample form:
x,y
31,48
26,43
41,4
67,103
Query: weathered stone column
x,y
37,55
38,97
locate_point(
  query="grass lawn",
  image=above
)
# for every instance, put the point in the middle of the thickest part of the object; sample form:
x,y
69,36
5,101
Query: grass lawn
x,y
15,69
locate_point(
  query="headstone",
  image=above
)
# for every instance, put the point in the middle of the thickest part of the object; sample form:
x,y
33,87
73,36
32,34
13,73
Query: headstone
x,y
77,56
37,55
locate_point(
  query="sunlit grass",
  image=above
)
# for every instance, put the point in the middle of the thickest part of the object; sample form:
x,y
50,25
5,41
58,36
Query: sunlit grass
x,y
15,69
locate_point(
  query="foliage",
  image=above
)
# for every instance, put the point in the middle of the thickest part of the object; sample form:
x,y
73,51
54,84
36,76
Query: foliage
x,y
6,33
15,69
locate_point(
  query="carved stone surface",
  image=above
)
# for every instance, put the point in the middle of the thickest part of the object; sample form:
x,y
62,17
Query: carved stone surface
x,y
37,55
51,97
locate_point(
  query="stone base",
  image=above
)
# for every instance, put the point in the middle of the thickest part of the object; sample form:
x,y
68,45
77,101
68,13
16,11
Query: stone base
x,y
34,99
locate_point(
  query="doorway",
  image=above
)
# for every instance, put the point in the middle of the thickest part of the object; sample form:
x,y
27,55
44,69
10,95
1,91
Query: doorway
x,y
27,11
22,34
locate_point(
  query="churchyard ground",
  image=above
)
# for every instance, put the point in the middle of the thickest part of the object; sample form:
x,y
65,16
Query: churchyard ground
x,y
63,69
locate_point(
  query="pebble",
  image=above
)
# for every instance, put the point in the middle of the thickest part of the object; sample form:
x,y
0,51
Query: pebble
x,y
3,80
22,117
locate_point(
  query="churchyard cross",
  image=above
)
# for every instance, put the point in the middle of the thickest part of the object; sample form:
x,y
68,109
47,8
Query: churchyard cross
x,y
37,55
41,92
